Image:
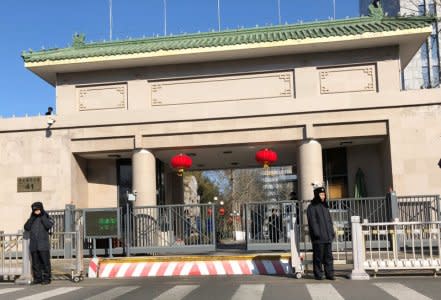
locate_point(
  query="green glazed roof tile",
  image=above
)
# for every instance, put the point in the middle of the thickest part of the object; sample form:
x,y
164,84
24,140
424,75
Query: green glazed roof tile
x,y
322,29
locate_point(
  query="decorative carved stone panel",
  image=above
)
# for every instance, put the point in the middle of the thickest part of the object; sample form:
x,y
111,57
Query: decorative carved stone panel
x,y
102,97
348,79
223,88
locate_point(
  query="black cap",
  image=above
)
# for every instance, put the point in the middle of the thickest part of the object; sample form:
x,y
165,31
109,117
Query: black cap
x,y
319,190
37,205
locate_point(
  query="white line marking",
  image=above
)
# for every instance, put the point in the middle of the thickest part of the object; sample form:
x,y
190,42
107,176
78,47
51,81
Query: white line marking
x,y
107,269
10,290
399,291
154,269
51,293
235,266
249,292
170,268
138,269
113,293
220,270
323,291
176,293
187,267
122,270
202,268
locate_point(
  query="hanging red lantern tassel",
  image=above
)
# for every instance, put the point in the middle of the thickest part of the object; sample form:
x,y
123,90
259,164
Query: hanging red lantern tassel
x,y
181,162
266,157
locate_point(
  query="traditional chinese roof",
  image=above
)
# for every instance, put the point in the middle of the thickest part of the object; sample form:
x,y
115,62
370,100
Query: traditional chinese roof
x,y
227,38
231,40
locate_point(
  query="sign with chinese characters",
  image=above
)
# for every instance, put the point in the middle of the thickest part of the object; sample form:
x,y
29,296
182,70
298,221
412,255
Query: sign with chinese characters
x,y
101,223
29,184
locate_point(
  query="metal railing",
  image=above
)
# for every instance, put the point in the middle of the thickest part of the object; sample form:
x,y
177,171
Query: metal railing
x,y
402,245
11,253
58,216
199,228
268,224
424,208
171,228
375,209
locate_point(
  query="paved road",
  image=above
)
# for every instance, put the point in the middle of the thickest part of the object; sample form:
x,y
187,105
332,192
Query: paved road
x,y
230,287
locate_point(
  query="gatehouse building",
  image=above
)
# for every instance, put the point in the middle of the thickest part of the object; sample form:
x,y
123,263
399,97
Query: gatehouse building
x,y
326,96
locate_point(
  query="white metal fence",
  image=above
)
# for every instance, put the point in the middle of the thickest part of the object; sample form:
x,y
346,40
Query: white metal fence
x,y
395,246
402,245
11,248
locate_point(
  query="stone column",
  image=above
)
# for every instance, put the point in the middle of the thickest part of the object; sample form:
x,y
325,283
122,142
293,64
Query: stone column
x,y
310,168
144,177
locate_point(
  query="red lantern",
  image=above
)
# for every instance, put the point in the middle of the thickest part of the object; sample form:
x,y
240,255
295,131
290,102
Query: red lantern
x,y
266,157
181,162
221,211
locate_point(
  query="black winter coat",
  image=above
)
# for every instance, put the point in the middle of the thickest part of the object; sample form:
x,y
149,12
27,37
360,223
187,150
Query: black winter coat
x,y
39,227
321,229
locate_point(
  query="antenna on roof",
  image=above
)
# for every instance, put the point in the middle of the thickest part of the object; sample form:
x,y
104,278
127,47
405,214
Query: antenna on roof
x,y
278,10
333,5
110,20
165,17
218,16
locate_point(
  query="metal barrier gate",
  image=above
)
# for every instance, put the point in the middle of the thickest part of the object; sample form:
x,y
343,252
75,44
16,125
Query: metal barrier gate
x,y
395,246
402,245
268,224
170,229
254,226
11,249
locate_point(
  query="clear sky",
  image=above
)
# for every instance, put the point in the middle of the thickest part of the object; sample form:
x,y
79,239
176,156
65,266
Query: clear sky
x,y
37,24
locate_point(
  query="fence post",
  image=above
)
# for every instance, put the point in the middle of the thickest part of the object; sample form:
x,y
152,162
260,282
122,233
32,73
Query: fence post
x,y
438,210
26,275
69,212
358,273
296,262
394,210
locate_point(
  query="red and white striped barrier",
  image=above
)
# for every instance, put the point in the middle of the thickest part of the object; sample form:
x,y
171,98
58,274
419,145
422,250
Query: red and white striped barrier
x,y
93,268
194,268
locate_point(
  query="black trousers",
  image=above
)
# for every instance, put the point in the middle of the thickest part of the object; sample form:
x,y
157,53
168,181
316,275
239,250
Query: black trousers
x,y
322,255
41,266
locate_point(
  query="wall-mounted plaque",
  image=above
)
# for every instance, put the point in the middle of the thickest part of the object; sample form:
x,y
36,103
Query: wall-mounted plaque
x,y
112,96
269,85
29,184
348,79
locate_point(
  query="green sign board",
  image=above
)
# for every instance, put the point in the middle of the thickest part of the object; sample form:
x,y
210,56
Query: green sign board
x,y
101,223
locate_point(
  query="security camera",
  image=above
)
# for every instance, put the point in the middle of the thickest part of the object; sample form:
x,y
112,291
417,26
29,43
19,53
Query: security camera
x,y
131,196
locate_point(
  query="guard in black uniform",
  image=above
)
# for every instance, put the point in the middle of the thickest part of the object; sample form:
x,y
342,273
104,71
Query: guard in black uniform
x,y
321,231
39,224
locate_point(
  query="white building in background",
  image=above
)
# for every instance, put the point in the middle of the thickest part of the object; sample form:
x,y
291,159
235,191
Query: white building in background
x,y
277,183
424,69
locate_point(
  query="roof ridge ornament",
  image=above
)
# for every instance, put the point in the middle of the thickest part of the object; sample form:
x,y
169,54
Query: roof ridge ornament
x,y
79,40
376,10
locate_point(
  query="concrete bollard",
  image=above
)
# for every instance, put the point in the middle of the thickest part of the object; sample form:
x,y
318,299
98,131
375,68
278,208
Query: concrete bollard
x,y
26,274
358,273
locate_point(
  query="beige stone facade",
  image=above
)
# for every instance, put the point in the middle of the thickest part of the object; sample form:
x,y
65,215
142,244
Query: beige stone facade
x,y
299,104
